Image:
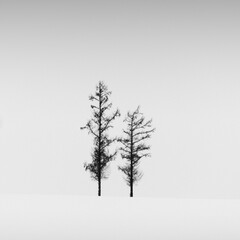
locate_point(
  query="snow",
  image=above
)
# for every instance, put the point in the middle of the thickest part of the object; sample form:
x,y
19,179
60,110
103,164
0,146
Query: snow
x,y
43,217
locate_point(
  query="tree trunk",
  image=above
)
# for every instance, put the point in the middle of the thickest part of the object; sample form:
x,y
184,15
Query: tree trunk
x,y
99,172
131,189
99,187
99,141
131,180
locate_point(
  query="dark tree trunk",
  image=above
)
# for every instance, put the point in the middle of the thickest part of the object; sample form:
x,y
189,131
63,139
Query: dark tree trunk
x,y
99,172
131,189
99,141
99,187
131,180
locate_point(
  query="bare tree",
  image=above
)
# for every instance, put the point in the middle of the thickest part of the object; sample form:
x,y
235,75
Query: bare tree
x,y
98,126
133,147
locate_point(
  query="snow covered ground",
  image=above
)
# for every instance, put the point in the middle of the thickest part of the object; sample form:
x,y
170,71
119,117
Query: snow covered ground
x,y
43,217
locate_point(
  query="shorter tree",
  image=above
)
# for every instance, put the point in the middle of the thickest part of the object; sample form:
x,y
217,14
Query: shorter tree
x,y
133,147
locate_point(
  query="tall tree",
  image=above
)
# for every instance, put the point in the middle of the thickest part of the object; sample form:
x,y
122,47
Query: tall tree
x,y
98,126
133,147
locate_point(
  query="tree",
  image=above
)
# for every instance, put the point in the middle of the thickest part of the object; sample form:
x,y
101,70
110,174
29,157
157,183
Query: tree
x,y
133,147
98,126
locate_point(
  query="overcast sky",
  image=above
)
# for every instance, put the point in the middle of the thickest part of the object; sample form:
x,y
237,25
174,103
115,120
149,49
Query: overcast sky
x,y
179,60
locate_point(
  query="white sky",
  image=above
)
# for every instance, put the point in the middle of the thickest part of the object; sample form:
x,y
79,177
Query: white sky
x,y
179,60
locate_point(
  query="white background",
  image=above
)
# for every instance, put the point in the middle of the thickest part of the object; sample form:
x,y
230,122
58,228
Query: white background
x,y
179,60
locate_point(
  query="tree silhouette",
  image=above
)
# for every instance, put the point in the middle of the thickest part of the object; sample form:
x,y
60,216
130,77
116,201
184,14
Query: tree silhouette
x,y
133,147
98,126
